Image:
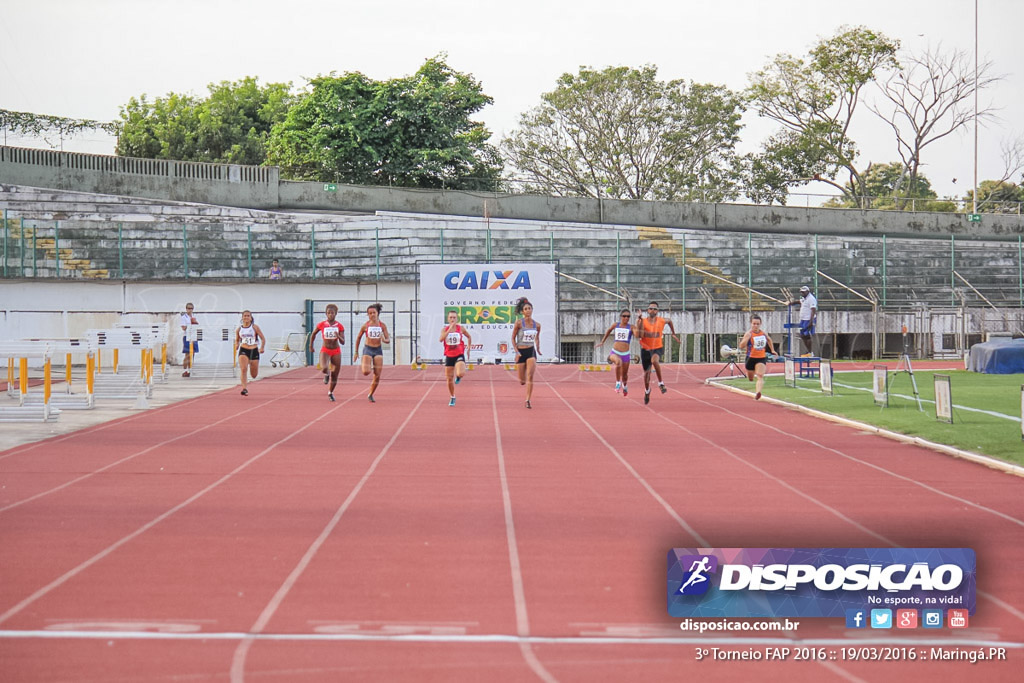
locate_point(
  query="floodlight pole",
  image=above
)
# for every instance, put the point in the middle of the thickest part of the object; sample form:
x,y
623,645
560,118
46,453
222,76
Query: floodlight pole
x,y
974,204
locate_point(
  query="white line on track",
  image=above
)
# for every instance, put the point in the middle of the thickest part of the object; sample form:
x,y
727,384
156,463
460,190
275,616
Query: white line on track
x,y
67,576
519,594
238,659
484,638
18,450
148,449
636,475
1001,603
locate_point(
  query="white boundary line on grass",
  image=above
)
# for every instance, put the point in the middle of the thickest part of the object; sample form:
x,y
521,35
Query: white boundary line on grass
x,y
995,464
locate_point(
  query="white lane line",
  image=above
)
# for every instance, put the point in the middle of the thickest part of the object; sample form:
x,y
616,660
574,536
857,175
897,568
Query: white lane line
x,y
486,638
518,592
927,400
855,459
20,449
64,578
703,542
238,659
148,449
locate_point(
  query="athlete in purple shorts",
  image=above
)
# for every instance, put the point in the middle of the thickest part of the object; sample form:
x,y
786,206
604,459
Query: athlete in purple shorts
x,y
619,357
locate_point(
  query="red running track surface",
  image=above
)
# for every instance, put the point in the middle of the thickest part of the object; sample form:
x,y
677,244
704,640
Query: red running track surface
x,y
281,537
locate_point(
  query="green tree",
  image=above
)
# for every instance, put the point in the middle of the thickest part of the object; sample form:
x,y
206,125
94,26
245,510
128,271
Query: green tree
x,y
414,131
232,125
997,196
815,100
622,133
889,189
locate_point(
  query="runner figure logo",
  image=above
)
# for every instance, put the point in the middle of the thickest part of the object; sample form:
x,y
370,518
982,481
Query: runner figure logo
x,y
696,581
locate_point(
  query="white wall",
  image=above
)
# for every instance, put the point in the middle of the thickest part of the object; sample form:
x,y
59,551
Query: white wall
x,y
31,309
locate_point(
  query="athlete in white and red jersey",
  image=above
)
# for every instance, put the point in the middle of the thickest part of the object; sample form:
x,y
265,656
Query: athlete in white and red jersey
x,y
333,334
455,338
758,344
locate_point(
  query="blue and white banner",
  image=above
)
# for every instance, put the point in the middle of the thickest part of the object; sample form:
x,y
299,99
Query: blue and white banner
x,y
484,296
817,582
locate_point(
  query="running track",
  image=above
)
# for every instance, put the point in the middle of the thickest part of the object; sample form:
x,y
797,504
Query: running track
x,y
281,537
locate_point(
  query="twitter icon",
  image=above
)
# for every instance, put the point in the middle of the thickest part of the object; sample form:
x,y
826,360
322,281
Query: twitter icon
x,y
881,618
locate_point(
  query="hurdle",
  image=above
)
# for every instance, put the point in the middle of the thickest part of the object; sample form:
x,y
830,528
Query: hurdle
x,y
68,399
22,351
160,334
120,385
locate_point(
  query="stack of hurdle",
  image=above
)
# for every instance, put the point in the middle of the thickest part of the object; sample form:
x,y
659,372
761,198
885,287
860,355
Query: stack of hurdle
x,y
19,353
68,398
159,336
208,370
116,384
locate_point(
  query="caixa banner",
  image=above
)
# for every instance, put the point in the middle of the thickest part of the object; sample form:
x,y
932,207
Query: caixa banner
x,y
817,582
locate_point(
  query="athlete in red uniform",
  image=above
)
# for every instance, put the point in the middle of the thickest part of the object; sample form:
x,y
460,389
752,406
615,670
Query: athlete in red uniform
x,y
333,334
758,344
454,353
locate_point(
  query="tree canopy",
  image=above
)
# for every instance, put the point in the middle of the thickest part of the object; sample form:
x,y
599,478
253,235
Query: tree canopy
x,y
622,133
232,125
414,131
889,188
815,100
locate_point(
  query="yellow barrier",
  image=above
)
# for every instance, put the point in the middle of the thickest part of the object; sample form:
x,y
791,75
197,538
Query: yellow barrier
x,y
46,382
23,377
89,370
115,361
67,370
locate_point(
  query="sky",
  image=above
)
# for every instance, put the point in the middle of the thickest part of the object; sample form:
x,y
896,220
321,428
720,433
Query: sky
x,y
86,58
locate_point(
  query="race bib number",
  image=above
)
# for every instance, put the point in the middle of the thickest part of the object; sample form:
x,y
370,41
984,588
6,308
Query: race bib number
x,y
621,334
248,336
453,339
760,342
373,332
330,333
529,336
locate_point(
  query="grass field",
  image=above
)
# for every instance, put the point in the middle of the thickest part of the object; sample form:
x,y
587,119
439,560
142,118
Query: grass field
x,y
986,408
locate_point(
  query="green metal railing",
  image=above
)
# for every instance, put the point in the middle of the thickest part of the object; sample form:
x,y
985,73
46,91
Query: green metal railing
x,y
901,270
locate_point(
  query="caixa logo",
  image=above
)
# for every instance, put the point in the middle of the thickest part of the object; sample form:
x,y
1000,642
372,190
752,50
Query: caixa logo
x,y
487,279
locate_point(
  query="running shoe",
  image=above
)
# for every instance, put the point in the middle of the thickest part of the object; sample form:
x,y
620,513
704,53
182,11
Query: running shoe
x,y
451,402
458,379
330,397
618,387
663,388
528,405
370,398
327,379
647,397
625,390
185,374
245,392
757,396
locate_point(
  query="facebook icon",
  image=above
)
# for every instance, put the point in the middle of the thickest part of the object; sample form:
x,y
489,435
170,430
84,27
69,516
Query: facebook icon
x,y
856,618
